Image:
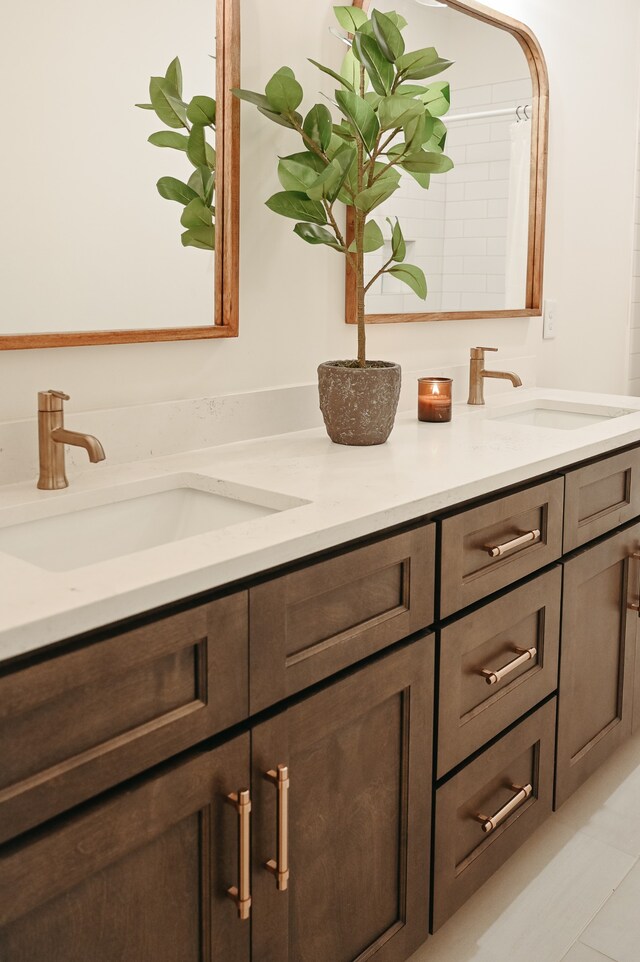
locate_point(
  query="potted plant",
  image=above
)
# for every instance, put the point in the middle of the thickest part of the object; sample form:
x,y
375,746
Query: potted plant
x,y
389,124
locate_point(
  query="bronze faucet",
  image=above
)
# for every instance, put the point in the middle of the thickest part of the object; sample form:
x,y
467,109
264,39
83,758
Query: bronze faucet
x,y
52,437
478,373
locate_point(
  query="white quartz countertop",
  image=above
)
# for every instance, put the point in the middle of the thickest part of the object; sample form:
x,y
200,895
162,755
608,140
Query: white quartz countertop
x,y
342,493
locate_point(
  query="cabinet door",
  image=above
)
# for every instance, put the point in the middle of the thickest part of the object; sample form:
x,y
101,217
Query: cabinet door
x,y
358,755
597,662
140,876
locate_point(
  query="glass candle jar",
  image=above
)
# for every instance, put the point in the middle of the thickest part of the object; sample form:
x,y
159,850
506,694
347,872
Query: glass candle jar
x,y
434,398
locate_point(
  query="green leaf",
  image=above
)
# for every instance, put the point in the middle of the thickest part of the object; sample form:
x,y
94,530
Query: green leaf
x,y
203,238
169,138
202,110
373,239
281,119
202,183
418,131
423,179
318,125
308,159
350,71
167,103
350,18
172,189
396,111
251,97
420,64
397,19
145,106
380,71
313,234
427,162
330,182
296,176
372,197
295,204
413,277
388,36
283,91
437,98
361,115
199,152
196,214
173,75
411,90
398,243
331,73
438,138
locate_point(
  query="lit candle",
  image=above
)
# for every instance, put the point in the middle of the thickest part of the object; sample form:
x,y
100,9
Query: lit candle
x,y
434,398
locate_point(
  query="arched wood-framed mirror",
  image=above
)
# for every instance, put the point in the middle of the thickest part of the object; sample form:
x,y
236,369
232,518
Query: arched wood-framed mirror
x,y
480,239
91,253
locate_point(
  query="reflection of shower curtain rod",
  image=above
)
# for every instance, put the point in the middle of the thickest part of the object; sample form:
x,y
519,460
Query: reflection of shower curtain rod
x,y
522,112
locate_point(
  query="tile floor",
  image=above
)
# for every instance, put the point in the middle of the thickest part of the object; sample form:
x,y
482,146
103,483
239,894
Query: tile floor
x,y
572,893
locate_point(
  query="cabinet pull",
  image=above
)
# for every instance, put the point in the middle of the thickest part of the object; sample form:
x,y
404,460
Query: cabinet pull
x,y
241,895
634,605
490,823
496,551
524,655
280,868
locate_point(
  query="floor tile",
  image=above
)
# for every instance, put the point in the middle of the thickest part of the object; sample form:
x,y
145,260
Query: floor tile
x,y
607,806
583,953
615,930
535,908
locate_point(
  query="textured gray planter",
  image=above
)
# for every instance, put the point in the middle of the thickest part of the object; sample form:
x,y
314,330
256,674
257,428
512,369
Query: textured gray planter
x,y
359,404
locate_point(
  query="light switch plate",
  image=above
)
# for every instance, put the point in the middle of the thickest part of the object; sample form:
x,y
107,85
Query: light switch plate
x,y
550,325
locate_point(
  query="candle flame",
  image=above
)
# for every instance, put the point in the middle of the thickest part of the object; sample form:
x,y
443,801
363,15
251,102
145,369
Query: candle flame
x,y
436,389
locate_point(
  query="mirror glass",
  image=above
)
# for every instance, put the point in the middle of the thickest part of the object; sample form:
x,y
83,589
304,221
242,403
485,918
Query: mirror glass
x,y
87,243
470,231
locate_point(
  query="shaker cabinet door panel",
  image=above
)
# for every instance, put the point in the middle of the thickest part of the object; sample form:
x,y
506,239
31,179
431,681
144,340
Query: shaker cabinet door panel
x,y
358,755
140,876
599,631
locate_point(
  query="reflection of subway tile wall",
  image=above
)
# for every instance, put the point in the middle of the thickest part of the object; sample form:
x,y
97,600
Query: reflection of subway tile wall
x,y
634,357
457,230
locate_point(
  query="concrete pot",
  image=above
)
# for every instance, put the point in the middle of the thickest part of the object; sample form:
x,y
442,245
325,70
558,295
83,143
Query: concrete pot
x,y
359,404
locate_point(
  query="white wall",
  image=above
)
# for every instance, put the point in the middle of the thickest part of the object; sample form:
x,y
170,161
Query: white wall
x,y
292,294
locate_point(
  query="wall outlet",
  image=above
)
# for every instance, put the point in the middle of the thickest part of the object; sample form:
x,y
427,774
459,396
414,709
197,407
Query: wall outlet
x,y
550,325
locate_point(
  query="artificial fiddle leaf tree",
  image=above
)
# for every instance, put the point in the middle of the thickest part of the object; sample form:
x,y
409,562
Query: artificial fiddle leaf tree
x,y
195,117
388,124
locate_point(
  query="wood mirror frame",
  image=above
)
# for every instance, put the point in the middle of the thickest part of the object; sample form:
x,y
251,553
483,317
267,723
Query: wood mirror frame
x,y
538,199
225,322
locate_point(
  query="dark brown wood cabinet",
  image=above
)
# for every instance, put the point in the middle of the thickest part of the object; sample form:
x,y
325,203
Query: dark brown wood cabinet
x,y
140,876
599,639
359,760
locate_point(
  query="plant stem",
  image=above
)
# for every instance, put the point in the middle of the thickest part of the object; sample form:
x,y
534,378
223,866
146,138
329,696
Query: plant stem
x,y
383,270
360,220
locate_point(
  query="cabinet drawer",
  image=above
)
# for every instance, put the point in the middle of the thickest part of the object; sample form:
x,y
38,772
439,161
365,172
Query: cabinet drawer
x,y
517,637
486,811
600,497
311,623
79,722
491,546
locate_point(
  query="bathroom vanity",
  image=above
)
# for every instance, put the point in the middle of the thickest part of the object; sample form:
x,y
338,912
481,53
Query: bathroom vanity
x,y
324,758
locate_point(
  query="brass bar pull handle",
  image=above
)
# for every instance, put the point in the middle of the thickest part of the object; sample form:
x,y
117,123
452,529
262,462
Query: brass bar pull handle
x,y
490,823
497,551
635,605
524,655
280,867
241,895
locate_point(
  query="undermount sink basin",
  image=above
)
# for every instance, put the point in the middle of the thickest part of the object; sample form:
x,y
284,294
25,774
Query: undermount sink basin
x,y
89,535
559,415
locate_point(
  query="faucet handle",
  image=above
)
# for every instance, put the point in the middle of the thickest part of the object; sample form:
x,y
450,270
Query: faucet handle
x,y
52,400
477,353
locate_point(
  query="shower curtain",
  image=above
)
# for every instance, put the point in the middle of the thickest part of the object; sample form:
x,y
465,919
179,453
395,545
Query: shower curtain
x,y
518,216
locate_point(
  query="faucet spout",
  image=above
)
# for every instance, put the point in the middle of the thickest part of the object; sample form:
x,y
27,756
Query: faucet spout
x,y
504,376
91,445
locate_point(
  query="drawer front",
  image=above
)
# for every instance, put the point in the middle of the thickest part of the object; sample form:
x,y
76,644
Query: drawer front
x,y
79,722
311,623
491,546
496,664
486,811
600,497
